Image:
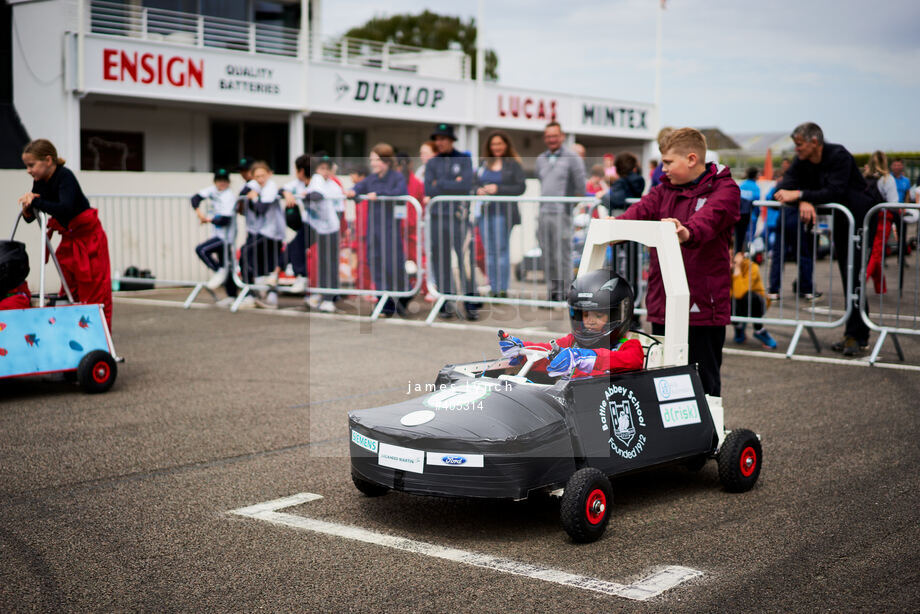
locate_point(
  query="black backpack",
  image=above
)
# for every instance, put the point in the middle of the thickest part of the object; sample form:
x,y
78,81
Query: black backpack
x,y
14,265
873,192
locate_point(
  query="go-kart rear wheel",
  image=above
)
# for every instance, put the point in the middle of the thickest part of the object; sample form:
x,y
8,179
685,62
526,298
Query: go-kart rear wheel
x,y
585,507
740,460
97,372
369,488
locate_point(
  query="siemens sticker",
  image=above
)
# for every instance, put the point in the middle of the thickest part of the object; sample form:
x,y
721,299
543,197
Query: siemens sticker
x,y
365,442
614,117
393,94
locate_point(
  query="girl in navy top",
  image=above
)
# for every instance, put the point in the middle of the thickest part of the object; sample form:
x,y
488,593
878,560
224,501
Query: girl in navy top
x,y
385,245
84,249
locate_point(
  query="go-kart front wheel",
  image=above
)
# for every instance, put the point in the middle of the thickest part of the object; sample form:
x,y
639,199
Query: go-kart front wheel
x,y
97,372
369,488
740,460
585,507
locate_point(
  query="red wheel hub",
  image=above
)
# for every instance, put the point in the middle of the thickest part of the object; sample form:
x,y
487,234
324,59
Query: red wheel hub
x,y
596,506
748,461
101,372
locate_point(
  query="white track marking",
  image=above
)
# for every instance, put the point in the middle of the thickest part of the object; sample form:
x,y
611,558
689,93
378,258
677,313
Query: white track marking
x,y
658,582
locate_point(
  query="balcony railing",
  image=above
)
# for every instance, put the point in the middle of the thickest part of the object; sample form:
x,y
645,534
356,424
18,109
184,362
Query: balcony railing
x,y
451,64
191,29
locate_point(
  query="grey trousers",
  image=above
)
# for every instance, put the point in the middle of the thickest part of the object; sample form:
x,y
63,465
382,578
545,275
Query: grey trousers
x,y
554,233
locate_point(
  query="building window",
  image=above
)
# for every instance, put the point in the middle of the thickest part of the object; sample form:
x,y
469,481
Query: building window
x,y
346,144
266,141
105,150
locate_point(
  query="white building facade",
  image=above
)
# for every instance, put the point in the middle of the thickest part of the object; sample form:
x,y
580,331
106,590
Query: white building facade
x,y
133,86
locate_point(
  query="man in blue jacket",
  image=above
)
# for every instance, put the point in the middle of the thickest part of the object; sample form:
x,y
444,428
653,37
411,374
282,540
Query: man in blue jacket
x,y
450,172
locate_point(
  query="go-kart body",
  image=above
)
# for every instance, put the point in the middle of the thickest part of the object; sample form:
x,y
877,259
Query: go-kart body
x,y
501,438
481,432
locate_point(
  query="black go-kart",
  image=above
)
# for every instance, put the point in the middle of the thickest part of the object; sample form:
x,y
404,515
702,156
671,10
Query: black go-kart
x,y
481,432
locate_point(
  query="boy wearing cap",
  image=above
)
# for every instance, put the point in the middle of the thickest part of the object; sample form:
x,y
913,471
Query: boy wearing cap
x,y
450,172
219,212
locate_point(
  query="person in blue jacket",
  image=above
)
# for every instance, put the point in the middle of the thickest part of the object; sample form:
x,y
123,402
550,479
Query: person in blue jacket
x,y
450,172
385,245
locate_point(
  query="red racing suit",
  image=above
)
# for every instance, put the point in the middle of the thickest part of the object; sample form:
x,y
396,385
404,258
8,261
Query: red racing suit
x,y
84,258
628,356
17,298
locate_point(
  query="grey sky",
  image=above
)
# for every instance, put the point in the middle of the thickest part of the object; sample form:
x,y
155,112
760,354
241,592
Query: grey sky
x,y
741,65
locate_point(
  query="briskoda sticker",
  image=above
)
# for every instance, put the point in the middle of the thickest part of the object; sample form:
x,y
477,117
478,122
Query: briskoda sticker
x,y
365,442
397,457
450,459
621,416
680,413
674,387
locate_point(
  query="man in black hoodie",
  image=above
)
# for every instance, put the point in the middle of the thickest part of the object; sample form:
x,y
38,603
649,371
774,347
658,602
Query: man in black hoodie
x,y
827,173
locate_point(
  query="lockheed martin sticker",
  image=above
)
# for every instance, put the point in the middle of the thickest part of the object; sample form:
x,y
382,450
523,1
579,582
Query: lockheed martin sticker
x,y
622,417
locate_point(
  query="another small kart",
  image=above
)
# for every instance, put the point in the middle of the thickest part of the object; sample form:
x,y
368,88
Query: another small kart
x,y
72,339
483,433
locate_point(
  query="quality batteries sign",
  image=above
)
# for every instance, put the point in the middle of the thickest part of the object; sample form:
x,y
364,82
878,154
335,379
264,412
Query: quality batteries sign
x,y
177,72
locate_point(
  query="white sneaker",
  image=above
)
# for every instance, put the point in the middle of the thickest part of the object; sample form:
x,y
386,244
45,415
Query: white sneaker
x,y
248,302
327,307
217,280
226,301
266,280
313,301
299,286
269,301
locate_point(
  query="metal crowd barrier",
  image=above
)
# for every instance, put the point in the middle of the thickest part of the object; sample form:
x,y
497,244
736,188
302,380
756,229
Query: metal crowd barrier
x,y
382,235
795,304
897,310
452,257
155,233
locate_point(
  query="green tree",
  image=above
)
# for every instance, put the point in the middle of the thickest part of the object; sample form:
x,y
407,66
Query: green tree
x,y
430,31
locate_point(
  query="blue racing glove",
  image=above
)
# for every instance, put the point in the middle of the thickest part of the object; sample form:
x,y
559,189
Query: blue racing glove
x,y
570,359
511,348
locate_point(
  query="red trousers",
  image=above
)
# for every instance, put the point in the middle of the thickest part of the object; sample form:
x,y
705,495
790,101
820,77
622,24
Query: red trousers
x,y
84,258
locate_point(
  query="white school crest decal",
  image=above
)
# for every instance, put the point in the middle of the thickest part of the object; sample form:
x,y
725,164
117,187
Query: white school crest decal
x,y
700,202
621,415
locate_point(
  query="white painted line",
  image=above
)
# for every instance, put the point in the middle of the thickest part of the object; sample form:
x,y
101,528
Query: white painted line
x,y
853,362
655,584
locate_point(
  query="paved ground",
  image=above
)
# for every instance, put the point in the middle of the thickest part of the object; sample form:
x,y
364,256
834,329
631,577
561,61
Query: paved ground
x,y
119,502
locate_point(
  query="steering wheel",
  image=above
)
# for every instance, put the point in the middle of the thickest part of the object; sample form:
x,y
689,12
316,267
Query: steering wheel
x,y
532,355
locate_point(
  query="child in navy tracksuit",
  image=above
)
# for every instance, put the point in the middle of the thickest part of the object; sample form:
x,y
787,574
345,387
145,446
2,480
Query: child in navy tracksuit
x,y
265,226
219,212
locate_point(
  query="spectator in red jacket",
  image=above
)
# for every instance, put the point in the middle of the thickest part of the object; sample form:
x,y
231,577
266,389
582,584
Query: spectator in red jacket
x,y
704,203
601,310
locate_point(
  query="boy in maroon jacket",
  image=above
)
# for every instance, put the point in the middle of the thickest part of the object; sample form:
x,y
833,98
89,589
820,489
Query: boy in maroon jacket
x,y
704,203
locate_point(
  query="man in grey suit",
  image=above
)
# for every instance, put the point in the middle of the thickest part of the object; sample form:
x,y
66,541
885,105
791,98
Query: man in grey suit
x,y
562,173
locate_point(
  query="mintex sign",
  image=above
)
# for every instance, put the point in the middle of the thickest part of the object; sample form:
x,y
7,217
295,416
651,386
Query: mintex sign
x,y
155,70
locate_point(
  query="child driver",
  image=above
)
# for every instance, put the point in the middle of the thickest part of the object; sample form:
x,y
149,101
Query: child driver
x,y
601,310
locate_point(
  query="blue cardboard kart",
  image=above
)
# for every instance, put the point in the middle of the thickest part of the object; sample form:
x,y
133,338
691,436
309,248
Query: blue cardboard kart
x,y
58,339
70,339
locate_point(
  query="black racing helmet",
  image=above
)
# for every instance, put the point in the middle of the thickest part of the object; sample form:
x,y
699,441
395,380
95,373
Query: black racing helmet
x,y
14,265
600,290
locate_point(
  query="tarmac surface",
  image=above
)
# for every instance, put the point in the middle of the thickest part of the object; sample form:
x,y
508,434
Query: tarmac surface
x,y
120,501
